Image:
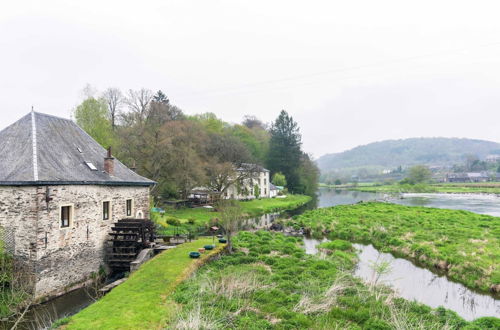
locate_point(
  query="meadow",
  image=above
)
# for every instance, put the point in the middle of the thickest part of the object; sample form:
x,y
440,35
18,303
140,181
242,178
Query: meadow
x,y
464,245
270,283
190,219
141,302
452,188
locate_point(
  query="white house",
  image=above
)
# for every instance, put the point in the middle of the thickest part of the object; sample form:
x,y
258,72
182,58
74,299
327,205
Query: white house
x,y
252,182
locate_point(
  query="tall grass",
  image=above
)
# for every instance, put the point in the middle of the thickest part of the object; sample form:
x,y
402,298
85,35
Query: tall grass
x,y
270,283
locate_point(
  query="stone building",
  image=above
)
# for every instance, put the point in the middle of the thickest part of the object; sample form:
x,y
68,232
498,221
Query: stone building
x,y
60,193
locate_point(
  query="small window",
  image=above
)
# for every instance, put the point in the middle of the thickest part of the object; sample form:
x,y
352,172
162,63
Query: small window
x,y
265,182
66,216
129,207
91,166
105,210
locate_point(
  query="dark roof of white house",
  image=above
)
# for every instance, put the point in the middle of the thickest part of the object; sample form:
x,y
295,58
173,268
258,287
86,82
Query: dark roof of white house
x,y
252,168
41,149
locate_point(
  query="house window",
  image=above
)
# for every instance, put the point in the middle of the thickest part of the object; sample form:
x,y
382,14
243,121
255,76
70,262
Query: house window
x,y
265,182
105,210
129,207
66,214
265,191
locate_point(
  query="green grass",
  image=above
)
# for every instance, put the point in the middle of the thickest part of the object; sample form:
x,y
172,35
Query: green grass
x,y
457,188
142,302
270,283
198,217
468,242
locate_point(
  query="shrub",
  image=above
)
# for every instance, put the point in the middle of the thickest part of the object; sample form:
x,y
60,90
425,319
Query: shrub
x,y
173,221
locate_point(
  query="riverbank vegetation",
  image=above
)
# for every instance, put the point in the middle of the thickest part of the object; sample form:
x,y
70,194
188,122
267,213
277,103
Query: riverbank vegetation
x,y
189,219
142,302
452,188
270,283
464,245
181,152
13,286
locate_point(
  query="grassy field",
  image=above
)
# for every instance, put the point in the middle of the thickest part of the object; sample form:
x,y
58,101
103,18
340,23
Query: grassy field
x,y
270,283
196,217
142,302
464,244
457,188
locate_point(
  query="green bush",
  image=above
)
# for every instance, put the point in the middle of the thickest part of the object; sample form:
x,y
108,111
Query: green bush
x,y
172,221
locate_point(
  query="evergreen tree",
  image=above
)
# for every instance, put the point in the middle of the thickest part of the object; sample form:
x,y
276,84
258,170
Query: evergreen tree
x,y
284,150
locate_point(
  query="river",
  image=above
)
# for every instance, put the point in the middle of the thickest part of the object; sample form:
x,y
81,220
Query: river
x,y
478,203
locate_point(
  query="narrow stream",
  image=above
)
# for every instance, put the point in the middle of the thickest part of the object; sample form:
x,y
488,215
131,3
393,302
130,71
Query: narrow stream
x,y
415,283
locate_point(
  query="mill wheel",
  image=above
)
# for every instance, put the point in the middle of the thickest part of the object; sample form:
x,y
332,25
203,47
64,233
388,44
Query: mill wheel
x,y
127,238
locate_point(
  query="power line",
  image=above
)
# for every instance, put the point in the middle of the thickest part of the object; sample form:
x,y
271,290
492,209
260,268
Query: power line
x,y
337,70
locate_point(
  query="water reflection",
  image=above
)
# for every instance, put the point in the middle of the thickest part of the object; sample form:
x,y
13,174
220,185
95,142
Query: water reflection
x,y
478,203
414,283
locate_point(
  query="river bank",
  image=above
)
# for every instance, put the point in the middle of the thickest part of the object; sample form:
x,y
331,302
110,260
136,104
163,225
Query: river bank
x,y
143,301
188,219
462,244
270,282
452,188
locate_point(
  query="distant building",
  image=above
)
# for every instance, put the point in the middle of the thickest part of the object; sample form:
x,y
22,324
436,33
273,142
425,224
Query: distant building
x,y
254,183
250,181
467,177
492,158
60,194
273,190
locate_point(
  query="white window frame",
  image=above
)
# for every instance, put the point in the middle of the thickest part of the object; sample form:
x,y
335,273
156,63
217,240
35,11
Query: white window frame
x,y
110,211
132,207
71,215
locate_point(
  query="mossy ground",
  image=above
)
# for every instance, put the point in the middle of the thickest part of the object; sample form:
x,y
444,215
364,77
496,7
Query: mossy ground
x,y
455,188
270,283
466,242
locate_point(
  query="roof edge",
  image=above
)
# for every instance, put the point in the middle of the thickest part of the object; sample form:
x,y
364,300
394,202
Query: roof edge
x,y
76,183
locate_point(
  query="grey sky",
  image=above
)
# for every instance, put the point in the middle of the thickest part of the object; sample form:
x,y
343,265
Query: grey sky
x,y
350,72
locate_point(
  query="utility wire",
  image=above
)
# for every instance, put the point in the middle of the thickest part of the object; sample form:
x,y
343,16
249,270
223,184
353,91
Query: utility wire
x,y
337,70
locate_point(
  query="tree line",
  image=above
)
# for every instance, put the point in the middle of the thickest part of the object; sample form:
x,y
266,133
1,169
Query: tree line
x,y
180,152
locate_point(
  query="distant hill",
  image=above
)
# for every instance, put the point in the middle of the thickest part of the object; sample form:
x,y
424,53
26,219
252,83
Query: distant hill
x,y
390,154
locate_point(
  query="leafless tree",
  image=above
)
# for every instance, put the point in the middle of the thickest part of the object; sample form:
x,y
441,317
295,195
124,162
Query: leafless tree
x,y
114,99
253,122
138,102
222,175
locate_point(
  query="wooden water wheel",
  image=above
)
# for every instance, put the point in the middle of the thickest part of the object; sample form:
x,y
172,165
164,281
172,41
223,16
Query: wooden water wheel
x,y
128,238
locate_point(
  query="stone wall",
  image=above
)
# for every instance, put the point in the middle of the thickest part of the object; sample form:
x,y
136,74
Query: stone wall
x,y
18,214
62,257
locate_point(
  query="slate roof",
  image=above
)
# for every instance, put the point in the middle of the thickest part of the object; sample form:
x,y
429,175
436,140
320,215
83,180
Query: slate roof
x,y
252,167
41,149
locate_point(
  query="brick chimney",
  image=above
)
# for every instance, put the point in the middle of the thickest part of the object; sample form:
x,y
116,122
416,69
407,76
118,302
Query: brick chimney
x,y
109,163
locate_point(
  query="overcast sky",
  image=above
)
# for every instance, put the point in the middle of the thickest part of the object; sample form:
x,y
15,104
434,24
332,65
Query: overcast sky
x,y
350,72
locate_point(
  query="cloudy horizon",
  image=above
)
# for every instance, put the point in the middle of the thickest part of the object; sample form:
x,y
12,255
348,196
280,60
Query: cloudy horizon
x,y
349,73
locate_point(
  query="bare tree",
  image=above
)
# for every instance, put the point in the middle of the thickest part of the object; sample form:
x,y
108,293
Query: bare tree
x,y
222,175
253,122
231,217
138,102
114,98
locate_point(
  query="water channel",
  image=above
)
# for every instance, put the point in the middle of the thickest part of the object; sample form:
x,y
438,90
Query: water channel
x,y
409,280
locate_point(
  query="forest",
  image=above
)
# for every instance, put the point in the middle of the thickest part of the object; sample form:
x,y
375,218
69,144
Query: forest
x,y
179,151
